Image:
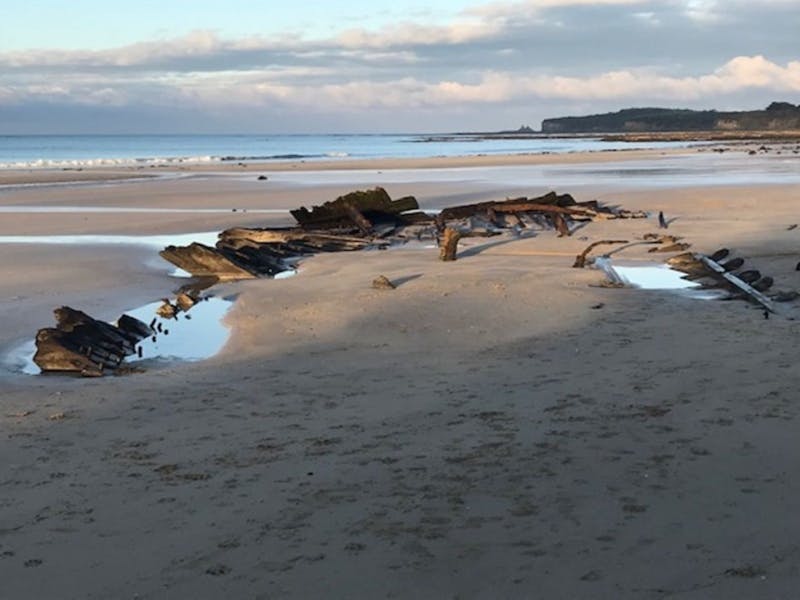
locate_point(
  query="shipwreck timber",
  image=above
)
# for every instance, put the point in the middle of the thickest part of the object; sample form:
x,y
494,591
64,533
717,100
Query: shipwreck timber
x,y
81,344
371,219
359,221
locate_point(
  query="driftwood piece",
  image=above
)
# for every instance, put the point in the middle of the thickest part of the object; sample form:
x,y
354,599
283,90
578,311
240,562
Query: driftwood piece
x,y
449,244
375,205
82,344
580,260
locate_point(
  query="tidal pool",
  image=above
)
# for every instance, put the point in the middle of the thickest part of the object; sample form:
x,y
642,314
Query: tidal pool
x,y
194,335
653,276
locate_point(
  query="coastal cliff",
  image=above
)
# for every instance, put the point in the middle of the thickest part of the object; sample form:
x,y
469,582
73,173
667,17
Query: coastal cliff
x,y
776,117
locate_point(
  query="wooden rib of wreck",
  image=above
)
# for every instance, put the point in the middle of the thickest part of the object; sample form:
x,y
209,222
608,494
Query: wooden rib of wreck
x,y
82,344
749,283
369,219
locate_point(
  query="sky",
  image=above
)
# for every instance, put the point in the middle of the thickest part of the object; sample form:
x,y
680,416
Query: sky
x,y
317,66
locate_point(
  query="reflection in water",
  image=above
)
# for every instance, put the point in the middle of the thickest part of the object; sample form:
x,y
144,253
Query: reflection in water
x,y
653,277
135,209
668,171
193,335
209,238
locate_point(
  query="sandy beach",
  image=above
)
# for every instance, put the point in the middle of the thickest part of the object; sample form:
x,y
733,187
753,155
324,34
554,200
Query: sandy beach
x,y
497,427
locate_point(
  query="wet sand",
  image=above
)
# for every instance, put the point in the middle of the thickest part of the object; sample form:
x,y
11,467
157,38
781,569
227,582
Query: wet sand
x,y
496,427
51,176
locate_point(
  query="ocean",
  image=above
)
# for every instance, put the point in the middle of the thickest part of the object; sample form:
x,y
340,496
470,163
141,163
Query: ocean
x,y
76,151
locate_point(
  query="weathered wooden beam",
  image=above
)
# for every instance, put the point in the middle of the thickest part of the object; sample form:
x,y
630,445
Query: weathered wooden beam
x,y
543,208
203,261
467,210
282,236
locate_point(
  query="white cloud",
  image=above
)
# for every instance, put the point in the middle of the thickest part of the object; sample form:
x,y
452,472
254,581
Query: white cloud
x,y
249,88
740,74
527,6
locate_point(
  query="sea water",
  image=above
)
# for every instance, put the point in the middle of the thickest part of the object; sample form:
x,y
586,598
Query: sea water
x,y
79,151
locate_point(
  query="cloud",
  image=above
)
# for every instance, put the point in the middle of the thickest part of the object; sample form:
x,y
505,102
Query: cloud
x,y
530,7
556,33
738,75
250,89
309,88
525,55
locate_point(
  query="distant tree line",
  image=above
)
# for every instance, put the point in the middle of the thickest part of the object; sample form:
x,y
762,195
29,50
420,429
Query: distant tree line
x,y
777,116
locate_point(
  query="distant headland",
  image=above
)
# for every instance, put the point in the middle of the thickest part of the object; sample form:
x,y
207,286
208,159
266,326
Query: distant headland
x,y
778,116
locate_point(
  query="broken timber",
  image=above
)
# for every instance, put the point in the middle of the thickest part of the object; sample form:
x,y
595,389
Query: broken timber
x,y
81,344
368,219
368,207
355,221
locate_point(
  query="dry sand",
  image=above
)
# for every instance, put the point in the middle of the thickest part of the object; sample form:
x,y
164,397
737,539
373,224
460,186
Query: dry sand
x,y
480,432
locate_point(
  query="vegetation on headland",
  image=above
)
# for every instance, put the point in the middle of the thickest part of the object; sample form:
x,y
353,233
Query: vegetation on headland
x,y
778,116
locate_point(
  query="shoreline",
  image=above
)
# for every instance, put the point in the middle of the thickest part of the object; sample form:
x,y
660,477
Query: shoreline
x,y
19,177
22,177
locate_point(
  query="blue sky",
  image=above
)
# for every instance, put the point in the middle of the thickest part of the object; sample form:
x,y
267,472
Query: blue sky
x,y
102,24
371,66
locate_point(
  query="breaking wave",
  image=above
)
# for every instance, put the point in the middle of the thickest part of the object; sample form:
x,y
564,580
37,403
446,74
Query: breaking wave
x,y
82,163
156,161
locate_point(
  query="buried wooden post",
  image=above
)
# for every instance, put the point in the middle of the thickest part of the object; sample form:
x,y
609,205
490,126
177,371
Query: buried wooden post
x,y
449,244
560,224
